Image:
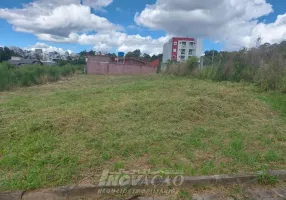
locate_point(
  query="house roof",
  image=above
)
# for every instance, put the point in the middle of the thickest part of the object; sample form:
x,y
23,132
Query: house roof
x,y
24,62
138,60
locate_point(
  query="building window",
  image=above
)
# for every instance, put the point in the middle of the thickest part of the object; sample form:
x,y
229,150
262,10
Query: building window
x,y
175,43
184,44
174,50
182,57
174,57
190,51
183,51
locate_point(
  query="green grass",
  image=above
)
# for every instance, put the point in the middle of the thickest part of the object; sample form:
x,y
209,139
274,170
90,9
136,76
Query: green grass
x,y
68,132
277,100
12,76
264,178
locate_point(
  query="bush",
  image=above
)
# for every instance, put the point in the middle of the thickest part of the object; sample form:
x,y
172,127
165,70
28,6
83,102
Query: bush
x,y
5,77
192,63
11,76
264,66
181,68
270,77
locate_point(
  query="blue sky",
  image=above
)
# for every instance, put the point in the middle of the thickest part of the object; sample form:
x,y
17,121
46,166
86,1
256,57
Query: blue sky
x,y
220,36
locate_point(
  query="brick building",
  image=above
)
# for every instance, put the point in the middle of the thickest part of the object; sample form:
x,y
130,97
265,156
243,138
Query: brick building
x,y
113,65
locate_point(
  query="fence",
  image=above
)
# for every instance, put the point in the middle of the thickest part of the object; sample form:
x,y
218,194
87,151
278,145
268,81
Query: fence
x,y
117,69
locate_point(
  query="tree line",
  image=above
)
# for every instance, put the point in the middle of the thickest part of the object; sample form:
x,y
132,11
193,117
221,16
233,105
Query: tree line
x,y
137,54
132,54
264,66
6,54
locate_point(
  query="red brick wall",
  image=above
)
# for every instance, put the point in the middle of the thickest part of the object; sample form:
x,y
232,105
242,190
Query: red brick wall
x,y
154,63
115,68
96,68
112,68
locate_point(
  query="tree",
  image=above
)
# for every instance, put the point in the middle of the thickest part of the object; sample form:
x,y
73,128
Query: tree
x,y
137,53
146,56
192,63
134,54
155,57
129,55
211,53
5,54
91,53
83,53
111,54
69,58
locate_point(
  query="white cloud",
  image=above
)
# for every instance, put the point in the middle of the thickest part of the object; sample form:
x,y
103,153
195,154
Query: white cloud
x,y
233,22
47,48
58,19
67,21
105,41
97,3
124,42
103,47
273,32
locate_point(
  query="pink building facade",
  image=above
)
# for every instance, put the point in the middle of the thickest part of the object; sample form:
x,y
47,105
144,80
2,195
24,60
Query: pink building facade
x,y
180,49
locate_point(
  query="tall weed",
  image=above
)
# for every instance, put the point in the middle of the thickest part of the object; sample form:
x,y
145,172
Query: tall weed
x,y
11,76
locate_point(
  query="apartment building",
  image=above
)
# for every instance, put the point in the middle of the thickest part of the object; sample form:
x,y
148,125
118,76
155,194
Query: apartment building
x,y
180,49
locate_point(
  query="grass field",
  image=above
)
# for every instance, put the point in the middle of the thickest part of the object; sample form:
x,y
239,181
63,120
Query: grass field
x,y
68,132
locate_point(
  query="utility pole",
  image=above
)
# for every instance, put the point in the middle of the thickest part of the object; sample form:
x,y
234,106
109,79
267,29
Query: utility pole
x,y
258,41
213,57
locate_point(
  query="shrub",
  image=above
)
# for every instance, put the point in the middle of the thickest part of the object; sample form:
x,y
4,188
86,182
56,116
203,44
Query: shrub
x,y
264,66
180,68
271,77
192,63
5,77
11,76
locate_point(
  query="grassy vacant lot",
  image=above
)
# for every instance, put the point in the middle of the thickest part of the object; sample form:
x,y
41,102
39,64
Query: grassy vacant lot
x,y
68,132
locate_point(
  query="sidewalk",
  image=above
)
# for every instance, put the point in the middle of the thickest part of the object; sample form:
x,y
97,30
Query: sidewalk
x,y
246,193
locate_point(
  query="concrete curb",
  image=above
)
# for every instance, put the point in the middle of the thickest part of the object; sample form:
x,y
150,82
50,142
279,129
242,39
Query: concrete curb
x,y
91,191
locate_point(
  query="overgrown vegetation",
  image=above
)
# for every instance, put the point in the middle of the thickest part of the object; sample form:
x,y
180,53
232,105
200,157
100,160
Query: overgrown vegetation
x,y
68,132
264,66
11,76
78,61
181,68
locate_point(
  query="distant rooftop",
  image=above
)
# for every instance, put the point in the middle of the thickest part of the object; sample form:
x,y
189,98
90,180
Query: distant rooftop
x,y
24,62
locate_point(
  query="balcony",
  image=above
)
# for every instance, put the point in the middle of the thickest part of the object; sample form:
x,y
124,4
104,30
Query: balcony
x,y
184,44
